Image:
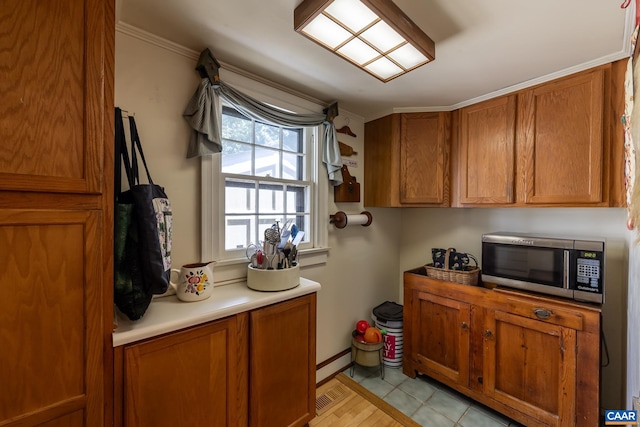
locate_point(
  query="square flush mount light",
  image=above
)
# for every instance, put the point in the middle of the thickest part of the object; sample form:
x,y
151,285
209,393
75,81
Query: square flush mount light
x,y
374,35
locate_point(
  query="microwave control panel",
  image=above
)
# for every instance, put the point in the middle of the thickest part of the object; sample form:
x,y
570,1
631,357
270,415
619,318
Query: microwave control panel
x,y
589,271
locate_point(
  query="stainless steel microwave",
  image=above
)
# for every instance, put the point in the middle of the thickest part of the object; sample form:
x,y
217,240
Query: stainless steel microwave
x,y
564,267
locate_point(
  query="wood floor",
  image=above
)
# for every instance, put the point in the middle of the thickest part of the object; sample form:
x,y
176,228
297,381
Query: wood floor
x,y
343,402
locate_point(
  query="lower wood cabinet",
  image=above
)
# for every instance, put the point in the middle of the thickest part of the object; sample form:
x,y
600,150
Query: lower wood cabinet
x,y
255,368
534,359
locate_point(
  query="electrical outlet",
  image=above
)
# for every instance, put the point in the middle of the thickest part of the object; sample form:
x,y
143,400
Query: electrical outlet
x,y
636,403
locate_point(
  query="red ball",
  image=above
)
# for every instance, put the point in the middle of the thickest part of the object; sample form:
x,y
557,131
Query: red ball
x,y
362,326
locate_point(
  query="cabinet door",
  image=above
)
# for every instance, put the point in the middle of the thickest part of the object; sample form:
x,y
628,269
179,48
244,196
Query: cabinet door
x,y
440,337
52,95
424,158
382,162
487,152
561,137
530,365
282,375
50,312
189,378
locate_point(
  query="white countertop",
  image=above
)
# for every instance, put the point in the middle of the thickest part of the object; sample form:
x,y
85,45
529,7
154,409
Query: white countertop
x,y
168,314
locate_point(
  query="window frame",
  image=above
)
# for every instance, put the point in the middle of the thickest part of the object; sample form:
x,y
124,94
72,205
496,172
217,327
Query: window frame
x,y
231,265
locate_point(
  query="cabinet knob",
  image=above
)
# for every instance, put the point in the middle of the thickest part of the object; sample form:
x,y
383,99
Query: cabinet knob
x,y
542,313
464,325
488,334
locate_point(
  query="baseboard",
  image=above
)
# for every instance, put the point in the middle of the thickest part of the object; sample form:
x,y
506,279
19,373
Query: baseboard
x,y
329,361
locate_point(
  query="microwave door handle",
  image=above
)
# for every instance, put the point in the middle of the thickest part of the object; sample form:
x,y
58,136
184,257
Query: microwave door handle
x,y
565,274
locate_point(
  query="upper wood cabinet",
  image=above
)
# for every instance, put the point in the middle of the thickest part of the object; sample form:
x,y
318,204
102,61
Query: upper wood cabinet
x,y
487,151
554,144
561,141
52,82
407,160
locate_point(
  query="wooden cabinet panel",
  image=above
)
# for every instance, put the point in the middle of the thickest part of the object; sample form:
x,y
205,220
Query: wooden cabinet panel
x,y
186,378
531,366
424,157
407,160
440,338
382,161
50,311
561,136
51,116
487,152
282,363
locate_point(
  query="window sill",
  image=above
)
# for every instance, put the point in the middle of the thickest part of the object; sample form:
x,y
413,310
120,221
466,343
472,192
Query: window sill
x,y
234,270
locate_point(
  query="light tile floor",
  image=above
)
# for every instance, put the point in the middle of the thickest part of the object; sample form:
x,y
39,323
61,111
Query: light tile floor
x,y
426,401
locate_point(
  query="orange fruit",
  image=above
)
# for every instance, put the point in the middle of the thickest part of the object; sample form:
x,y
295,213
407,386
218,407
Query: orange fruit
x,y
372,335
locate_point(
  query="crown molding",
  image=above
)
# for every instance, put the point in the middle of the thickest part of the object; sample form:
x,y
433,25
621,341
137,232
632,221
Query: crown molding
x,y
135,32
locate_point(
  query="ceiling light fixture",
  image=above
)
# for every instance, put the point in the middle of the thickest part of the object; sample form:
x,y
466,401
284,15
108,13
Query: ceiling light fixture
x,y
374,35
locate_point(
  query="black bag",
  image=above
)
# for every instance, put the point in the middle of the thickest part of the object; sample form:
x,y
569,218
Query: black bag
x,y
457,260
143,227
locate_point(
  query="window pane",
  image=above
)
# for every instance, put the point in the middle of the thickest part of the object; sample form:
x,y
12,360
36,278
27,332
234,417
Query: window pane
x,y
292,166
240,197
271,199
267,162
292,140
238,231
236,128
267,135
236,158
297,199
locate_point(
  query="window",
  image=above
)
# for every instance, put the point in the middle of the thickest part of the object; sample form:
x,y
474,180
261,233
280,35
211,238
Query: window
x,y
266,175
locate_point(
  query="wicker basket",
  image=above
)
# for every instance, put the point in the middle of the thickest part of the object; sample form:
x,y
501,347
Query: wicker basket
x,y
469,276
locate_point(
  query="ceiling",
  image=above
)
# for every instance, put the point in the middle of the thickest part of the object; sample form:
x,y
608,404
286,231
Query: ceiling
x,y
483,47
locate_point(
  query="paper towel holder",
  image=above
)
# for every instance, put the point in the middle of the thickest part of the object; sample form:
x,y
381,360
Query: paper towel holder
x,y
341,219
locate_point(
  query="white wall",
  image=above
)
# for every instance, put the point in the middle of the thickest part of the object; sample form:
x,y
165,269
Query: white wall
x,y
361,271
424,229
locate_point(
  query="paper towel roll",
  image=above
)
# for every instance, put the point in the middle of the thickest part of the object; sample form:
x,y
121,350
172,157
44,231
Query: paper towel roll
x,y
341,219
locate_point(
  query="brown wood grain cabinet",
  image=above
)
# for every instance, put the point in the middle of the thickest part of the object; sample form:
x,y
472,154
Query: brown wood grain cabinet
x,y
535,359
554,144
407,160
56,211
487,152
193,377
255,368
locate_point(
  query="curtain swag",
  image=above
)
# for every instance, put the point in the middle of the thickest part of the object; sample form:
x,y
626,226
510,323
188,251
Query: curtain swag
x,y
204,115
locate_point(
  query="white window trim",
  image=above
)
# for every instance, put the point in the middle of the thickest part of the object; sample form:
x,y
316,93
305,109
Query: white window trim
x,y
212,194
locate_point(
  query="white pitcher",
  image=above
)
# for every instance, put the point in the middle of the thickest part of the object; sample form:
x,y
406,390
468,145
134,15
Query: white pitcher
x,y
195,281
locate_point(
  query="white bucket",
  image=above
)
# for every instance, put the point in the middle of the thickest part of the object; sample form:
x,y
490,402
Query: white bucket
x,y
393,343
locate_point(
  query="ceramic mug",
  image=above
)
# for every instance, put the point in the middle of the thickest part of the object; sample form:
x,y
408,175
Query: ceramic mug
x,y
195,281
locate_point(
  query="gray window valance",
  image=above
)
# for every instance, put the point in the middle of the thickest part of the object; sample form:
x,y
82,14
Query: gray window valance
x,y
204,115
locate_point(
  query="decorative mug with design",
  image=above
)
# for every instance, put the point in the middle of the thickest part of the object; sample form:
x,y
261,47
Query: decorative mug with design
x,y
195,281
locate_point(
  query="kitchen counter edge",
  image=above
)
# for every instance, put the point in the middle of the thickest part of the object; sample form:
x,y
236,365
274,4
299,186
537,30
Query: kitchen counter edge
x,y
168,314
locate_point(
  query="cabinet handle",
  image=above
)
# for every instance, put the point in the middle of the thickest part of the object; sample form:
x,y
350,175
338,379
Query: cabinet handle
x,y
464,325
542,313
